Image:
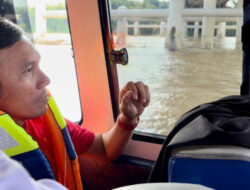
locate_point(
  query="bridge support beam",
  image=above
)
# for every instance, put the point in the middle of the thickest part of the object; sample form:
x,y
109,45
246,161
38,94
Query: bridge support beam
x,y
40,20
122,30
221,31
175,27
196,29
162,28
207,36
239,23
136,28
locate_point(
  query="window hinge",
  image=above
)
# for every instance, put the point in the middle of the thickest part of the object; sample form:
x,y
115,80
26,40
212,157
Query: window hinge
x,y
120,56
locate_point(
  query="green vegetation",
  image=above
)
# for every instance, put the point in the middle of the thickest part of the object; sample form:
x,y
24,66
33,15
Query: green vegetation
x,y
59,6
57,25
27,20
146,4
23,19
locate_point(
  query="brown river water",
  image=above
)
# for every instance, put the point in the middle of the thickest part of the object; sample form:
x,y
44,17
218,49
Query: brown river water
x,y
180,80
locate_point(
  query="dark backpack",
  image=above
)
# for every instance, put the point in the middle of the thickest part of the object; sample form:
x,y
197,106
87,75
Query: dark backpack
x,y
222,122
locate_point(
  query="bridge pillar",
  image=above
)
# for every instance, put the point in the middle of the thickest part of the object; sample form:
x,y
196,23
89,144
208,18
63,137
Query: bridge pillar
x,y
122,30
239,23
196,29
40,20
162,28
175,27
136,28
207,36
221,32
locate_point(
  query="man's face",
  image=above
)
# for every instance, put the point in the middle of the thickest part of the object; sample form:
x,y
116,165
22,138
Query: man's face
x,y
22,92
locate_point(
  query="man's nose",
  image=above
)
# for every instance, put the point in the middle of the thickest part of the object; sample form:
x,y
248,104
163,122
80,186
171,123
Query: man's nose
x,y
44,80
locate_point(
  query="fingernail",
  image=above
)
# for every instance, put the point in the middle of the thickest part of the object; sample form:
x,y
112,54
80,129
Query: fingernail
x,y
144,100
136,97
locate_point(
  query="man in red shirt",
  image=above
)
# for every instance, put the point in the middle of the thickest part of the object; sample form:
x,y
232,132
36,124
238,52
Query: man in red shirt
x,y
23,96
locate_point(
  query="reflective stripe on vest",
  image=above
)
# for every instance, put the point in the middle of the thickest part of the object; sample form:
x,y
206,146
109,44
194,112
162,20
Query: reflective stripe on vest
x,y
15,141
19,145
18,142
58,117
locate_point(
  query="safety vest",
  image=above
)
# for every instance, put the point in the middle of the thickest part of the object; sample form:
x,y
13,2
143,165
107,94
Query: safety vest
x,y
19,145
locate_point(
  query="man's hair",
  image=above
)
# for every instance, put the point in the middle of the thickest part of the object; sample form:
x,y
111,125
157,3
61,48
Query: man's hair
x,y
10,33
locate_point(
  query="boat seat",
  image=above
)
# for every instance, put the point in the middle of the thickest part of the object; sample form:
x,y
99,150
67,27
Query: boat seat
x,y
219,167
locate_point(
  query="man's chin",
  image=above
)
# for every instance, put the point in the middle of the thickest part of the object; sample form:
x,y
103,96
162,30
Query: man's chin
x,y
41,112
44,110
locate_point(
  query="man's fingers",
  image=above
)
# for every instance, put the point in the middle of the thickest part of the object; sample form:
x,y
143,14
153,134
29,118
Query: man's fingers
x,y
126,99
122,92
148,97
141,91
137,91
144,93
131,87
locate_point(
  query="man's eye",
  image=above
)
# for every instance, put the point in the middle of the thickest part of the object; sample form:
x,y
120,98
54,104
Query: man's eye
x,y
29,69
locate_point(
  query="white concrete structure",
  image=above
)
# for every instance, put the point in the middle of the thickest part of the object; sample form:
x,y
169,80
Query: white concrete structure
x,y
163,28
209,15
175,25
121,29
41,23
122,22
221,31
196,29
207,36
176,18
239,23
136,29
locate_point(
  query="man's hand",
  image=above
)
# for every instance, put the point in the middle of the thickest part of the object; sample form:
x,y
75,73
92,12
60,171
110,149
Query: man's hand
x,y
134,97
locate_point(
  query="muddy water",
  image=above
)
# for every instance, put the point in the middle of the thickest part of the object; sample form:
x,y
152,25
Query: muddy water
x,y
180,80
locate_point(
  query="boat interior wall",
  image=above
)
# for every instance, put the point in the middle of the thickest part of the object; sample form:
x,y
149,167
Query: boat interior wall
x,y
90,64
105,175
135,149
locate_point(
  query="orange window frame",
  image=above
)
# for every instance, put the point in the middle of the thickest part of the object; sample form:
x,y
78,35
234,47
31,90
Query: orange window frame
x,y
96,105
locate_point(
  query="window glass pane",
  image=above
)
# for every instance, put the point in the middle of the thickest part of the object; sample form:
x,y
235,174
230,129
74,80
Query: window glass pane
x,y
46,23
182,67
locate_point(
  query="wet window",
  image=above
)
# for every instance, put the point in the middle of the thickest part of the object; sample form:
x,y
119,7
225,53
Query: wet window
x,y
186,59
46,23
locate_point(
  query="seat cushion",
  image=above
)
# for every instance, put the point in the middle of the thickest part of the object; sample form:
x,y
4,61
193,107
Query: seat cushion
x,y
218,167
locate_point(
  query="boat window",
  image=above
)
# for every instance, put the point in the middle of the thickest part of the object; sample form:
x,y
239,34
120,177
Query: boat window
x,y
187,52
46,23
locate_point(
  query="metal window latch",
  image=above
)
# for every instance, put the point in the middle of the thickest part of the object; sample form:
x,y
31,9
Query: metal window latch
x,y
120,56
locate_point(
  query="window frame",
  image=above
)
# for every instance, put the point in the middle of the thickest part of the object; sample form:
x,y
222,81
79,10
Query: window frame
x,y
105,20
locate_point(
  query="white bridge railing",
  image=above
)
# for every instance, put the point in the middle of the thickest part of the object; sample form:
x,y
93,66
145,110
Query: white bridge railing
x,y
189,15
164,13
123,15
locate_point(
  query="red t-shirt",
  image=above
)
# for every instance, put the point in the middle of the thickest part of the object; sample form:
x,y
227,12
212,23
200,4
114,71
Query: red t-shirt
x,y
80,136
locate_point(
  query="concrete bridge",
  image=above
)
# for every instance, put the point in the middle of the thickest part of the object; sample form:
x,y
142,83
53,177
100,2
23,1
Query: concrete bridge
x,y
177,18
174,21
